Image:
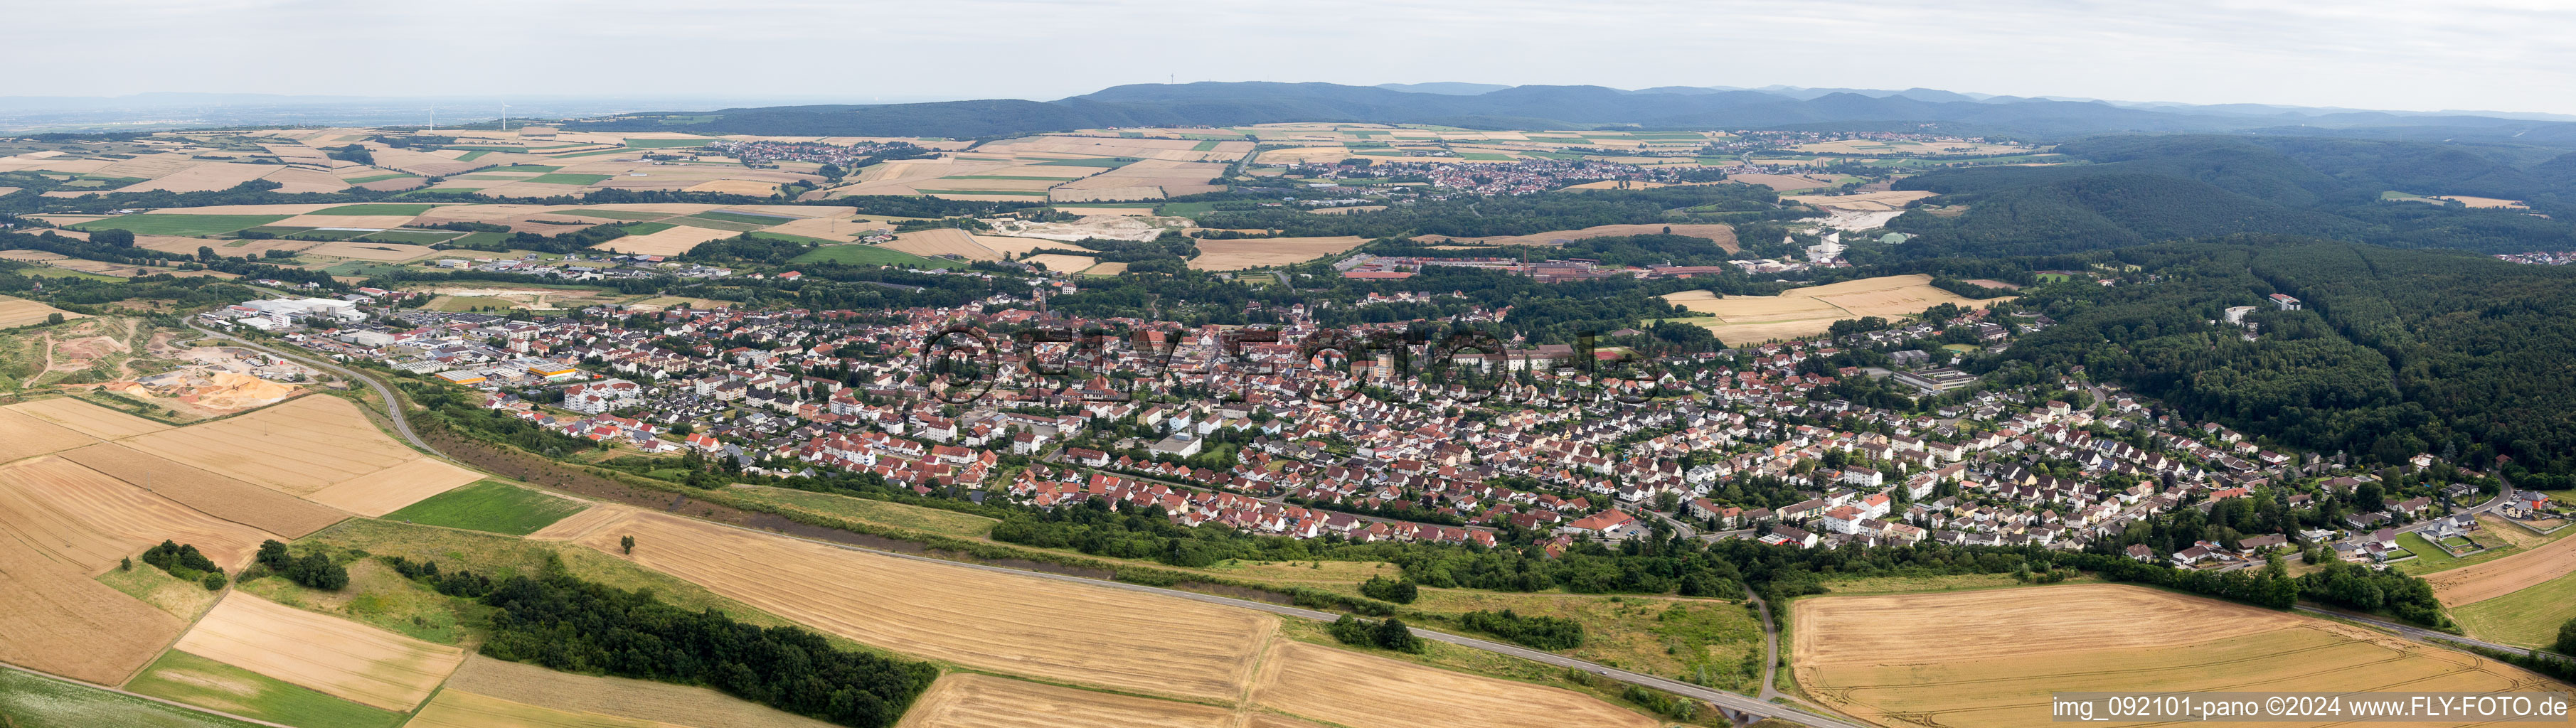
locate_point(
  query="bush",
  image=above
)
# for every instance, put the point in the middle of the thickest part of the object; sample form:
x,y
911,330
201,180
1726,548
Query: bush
x,y
214,581
1390,634
2567,638
182,561
1546,633
313,570
1398,591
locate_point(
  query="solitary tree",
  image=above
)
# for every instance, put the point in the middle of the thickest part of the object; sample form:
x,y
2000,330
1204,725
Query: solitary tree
x,y
53,318
627,543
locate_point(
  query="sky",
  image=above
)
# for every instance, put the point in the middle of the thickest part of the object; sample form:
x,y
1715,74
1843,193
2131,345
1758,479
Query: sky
x,y
2496,55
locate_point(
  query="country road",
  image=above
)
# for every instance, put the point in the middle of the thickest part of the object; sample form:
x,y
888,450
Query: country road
x,y
1731,701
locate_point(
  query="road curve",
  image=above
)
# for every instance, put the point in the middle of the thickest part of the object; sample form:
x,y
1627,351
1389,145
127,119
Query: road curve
x,y
1731,701
2416,633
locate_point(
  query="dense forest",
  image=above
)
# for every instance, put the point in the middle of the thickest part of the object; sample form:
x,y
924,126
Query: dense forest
x,y
2398,352
2145,189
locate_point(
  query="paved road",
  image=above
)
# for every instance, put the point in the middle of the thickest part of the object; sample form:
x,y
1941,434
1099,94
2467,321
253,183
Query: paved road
x,y
1770,643
1730,701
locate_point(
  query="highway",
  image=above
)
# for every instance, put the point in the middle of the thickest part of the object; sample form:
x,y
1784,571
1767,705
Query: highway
x,y
1731,701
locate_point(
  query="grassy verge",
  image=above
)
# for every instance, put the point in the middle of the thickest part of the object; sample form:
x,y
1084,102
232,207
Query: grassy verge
x,y
202,682
2529,617
29,701
182,599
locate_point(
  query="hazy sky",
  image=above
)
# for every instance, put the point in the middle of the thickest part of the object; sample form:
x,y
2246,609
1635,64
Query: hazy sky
x,y
2411,55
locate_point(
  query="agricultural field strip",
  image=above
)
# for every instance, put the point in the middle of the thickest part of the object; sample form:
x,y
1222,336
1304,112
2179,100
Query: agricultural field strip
x,y
454,708
2480,582
327,443
969,700
87,685
621,697
594,522
329,654
88,520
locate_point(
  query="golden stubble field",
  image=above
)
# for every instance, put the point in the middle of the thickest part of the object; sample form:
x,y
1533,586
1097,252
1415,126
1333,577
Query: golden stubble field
x,y
87,520
1722,235
643,700
1812,310
318,448
1993,657
2480,582
15,312
1020,624
1258,252
1074,634
333,655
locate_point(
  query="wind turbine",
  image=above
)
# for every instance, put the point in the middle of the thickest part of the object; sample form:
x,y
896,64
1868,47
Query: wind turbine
x,y
505,116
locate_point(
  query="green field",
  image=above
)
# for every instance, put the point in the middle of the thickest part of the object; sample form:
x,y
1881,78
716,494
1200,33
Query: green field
x,y
718,224
1010,193
179,224
1484,156
1205,146
28,701
618,214
667,143
861,254
378,208
473,155
489,505
199,681
744,217
365,269
566,178
797,239
479,240
645,228
2529,617
1112,163
50,272
413,237
375,178
522,168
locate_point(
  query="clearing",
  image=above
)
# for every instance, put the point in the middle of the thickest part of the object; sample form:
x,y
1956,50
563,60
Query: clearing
x,y
1812,310
1258,252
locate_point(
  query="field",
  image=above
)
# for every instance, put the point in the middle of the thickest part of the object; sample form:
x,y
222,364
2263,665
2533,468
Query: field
x,y
85,520
877,512
369,250
671,241
1365,691
967,700
202,682
942,241
2480,582
333,655
1991,658
491,506
180,224
621,697
1241,254
1062,263
1784,182
28,701
24,436
63,622
1864,202
183,599
2529,616
1020,624
1812,310
319,448
16,312
462,709
1723,235
864,254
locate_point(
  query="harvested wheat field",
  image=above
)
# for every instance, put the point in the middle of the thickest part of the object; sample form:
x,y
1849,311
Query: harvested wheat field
x,y
63,622
615,696
967,700
2480,582
1723,235
86,520
25,436
15,312
1062,263
1866,201
1020,624
366,250
943,241
1241,254
1812,310
326,653
390,489
88,419
1366,691
463,709
1992,658
212,494
299,447
673,241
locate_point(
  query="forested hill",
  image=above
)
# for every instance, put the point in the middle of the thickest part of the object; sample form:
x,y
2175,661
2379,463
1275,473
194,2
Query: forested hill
x,y
1549,107
2397,352
2140,189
